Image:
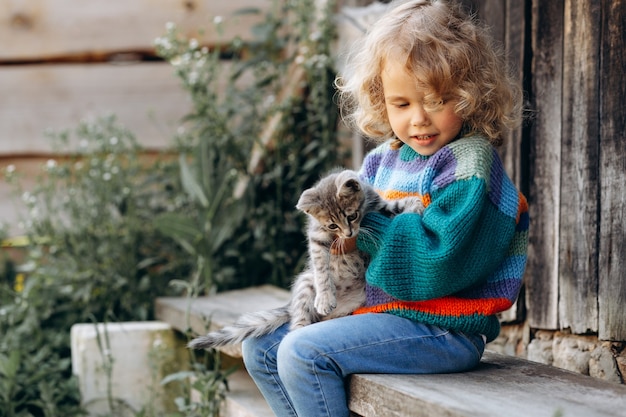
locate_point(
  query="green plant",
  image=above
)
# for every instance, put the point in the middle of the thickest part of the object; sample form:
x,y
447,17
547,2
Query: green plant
x,y
256,234
96,252
94,255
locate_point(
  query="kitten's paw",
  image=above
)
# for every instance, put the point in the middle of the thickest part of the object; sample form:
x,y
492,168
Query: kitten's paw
x,y
414,205
298,324
325,303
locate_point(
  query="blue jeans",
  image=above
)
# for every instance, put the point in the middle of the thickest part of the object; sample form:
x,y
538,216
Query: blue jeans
x,y
303,373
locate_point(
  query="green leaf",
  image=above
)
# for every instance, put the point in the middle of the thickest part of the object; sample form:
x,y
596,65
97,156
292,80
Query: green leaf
x,y
178,376
180,228
192,187
9,365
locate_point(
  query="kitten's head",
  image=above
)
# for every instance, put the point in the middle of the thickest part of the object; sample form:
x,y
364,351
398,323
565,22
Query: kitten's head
x,y
335,202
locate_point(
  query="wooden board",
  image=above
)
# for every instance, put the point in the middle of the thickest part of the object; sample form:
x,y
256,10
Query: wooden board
x,y
578,248
39,29
146,97
612,259
500,386
545,159
222,309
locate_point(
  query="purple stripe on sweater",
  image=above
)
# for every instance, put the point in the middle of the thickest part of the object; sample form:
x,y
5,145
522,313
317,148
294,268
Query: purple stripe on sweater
x,y
446,164
507,288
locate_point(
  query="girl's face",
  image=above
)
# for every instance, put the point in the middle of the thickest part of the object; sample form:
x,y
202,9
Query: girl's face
x,y
424,131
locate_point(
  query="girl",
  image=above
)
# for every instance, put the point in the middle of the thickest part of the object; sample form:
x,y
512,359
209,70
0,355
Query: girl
x,y
430,85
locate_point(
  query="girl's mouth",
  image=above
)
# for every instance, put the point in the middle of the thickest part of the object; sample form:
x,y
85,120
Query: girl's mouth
x,y
424,138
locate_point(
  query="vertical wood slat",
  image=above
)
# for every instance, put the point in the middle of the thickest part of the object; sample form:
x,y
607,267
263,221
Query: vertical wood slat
x,y
612,259
578,232
545,159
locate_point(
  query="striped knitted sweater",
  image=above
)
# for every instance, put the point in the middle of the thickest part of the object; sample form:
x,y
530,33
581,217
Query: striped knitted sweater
x,y
462,260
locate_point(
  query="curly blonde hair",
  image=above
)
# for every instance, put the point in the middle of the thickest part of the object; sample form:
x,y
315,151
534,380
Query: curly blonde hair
x,y
452,57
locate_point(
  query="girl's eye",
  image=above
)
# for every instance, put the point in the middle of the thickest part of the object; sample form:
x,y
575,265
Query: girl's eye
x,y
353,216
333,226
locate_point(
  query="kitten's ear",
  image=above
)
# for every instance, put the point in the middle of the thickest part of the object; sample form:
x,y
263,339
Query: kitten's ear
x,y
348,184
308,200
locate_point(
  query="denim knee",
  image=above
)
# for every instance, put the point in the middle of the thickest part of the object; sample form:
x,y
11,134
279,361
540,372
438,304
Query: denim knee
x,y
254,356
301,354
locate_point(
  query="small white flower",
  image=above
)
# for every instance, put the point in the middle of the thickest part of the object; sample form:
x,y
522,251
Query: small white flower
x,y
107,176
113,140
192,78
169,26
193,43
218,20
269,100
51,164
10,169
315,36
299,60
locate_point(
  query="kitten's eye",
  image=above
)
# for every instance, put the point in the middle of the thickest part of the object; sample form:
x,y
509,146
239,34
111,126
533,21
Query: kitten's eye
x,y
333,226
353,216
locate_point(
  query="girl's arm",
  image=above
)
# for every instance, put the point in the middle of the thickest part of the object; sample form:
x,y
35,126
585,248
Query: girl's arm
x,y
460,239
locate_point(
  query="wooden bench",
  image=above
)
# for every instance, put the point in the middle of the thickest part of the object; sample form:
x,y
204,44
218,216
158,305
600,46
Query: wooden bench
x,y
500,386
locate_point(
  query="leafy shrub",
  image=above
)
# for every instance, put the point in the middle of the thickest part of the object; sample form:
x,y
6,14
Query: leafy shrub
x,y
258,231
95,257
110,228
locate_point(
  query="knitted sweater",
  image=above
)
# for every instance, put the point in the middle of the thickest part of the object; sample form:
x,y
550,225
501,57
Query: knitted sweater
x,y
462,260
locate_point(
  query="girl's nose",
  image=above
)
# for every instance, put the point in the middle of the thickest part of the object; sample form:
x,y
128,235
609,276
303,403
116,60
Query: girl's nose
x,y
419,117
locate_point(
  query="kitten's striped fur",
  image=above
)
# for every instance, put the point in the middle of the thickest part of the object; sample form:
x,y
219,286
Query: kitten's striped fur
x,y
333,284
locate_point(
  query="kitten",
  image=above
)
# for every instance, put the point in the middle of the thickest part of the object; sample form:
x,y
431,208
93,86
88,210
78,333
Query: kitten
x,y
333,284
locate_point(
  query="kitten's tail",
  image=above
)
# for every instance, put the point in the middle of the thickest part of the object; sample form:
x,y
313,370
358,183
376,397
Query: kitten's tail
x,y
248,325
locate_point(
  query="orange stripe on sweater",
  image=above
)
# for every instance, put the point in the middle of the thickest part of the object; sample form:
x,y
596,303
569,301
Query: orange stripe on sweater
x,y
522,207
397,195
446,306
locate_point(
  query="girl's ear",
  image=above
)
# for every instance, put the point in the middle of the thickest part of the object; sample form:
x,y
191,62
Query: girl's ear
x,y
308,200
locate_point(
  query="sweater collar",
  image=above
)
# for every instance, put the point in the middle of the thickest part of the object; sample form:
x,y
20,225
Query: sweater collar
x,y
408,154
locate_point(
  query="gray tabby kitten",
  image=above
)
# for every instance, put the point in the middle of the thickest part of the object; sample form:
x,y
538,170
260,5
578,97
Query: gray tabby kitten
x,y
333,284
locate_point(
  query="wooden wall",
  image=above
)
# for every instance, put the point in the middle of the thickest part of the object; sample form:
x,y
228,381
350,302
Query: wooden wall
x,y
62,61
570,158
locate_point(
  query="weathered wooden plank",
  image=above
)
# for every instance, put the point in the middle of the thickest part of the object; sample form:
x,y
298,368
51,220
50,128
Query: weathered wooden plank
x,y
514,149
146,97
244,398
36,29
500,386
578,231
545,160
612,259
222,309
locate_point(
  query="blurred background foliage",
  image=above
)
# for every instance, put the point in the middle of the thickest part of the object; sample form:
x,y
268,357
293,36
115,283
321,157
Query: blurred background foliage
x,y
111,226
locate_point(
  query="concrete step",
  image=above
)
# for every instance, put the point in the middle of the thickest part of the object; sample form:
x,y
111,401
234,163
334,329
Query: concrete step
x,y
244,398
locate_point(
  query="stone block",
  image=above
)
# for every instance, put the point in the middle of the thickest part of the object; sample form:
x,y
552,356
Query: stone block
x,y
120,365
573,352
540,348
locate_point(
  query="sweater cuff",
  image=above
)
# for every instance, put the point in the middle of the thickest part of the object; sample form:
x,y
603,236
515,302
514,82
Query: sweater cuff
x,y
370,237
